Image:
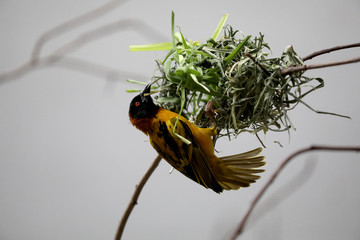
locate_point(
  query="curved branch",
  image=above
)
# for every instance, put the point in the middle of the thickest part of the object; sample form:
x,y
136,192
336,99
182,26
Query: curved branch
x,y
243,222
104,30
71,24
328,50
67,48
135,197
96,69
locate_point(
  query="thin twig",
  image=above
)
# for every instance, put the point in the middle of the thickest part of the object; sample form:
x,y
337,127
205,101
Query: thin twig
x,y
257,63
284,192
96,69
291,70
135,197
328,50
242,224
104,30
65,49
71,24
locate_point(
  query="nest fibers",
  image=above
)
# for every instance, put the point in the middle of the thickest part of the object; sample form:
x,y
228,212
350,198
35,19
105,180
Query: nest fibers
x,y
247,91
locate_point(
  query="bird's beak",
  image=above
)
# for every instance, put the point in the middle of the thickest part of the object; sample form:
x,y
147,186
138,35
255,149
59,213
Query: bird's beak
x,y
145,93
146,89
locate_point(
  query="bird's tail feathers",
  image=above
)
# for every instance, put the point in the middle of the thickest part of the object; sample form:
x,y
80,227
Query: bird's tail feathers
x,y
240,169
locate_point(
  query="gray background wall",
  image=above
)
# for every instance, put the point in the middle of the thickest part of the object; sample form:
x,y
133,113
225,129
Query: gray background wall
x,y
70,159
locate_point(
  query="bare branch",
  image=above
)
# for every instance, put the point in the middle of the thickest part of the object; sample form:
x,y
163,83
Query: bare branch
x,y
243,222
71,24
79,41
135,197
291,70
284,192
104,30
328,50
96,69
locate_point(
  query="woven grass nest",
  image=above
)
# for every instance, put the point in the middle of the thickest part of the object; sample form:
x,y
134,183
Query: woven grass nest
x,y
245,87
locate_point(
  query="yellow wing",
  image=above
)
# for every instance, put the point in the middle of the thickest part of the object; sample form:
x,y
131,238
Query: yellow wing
x,y
240,170
189,159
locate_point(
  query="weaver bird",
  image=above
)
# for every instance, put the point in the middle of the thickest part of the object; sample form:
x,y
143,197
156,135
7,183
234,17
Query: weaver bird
x,y
196,159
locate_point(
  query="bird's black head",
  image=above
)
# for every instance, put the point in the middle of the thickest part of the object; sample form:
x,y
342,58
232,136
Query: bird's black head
x,y
142,106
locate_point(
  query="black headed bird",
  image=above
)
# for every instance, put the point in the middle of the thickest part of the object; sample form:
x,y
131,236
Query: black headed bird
x,y
196,159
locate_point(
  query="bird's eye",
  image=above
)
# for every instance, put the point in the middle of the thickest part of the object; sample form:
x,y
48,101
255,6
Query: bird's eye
x,y
137,104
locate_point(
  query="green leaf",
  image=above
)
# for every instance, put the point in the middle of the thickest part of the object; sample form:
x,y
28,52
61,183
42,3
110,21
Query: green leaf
x,y
173,29
219,27
236,50
132,90
180,37
135,81
170,75
151,47
183,99
198,83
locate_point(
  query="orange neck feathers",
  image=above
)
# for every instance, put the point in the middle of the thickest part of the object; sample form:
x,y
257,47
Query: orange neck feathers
x,y
143,124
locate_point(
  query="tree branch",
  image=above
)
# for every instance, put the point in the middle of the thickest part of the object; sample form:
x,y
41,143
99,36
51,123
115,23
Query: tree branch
x,y
243,222
291,70
135,197
71,24
96,69
328,50
65,49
